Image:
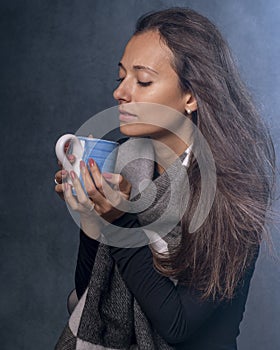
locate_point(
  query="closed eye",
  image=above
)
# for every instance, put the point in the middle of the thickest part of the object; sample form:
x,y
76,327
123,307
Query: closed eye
x,y
144,84
141,83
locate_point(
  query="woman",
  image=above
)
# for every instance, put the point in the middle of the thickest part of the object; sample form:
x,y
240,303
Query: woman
x,y
192,296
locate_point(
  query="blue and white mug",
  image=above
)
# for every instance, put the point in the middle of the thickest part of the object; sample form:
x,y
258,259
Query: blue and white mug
x,y
83,148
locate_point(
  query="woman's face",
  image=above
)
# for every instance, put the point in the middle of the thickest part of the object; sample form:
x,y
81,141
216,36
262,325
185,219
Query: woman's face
x,y
146,75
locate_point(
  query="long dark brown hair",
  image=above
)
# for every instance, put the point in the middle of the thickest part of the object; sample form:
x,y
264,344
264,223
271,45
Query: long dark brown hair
x,y
215,257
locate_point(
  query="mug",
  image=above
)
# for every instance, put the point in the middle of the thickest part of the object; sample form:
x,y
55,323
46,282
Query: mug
x,y
83,148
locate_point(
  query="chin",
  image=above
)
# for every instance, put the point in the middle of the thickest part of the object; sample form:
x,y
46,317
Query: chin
x,y
133,129
139,130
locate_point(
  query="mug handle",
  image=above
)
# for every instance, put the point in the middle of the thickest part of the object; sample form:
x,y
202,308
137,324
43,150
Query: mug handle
x,y
78,151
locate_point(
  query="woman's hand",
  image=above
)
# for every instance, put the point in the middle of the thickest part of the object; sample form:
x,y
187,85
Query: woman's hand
x,y
93,204
62,174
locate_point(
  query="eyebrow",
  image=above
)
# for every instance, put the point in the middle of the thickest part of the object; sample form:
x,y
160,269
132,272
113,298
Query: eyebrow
x,y
139,67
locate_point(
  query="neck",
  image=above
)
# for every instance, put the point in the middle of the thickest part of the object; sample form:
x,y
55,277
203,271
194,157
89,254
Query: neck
x,y
167,149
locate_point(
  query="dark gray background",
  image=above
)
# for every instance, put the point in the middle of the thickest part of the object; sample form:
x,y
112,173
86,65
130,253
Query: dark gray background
x,y
58,68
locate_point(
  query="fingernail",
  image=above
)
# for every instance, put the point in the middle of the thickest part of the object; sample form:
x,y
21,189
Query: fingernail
x,y
65,186
63,172
107,175
73,175
91,162
70,157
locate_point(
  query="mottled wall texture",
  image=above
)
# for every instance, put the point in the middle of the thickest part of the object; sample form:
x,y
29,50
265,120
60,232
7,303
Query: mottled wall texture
x,y
58,64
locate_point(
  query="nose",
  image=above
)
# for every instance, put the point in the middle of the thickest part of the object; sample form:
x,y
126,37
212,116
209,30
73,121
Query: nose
x,y
122,93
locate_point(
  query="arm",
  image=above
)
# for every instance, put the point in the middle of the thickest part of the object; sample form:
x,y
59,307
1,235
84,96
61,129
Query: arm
x,y
86,256
87,252
174,311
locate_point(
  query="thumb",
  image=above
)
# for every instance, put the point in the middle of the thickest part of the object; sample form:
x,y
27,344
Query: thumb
x,y
117,179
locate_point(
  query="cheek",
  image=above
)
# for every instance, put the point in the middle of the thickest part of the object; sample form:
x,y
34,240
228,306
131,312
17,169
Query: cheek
x,y
167,95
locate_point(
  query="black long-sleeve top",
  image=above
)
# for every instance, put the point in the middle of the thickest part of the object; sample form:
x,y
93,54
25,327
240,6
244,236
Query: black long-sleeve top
x,y
175,311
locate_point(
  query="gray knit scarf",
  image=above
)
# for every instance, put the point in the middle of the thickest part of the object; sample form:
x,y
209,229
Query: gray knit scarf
x,y
108,316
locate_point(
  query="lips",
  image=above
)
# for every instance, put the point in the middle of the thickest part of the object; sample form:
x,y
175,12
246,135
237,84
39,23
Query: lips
x,y
124,112
126,116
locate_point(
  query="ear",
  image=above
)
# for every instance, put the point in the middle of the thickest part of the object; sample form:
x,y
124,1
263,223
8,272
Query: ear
x,y
190,103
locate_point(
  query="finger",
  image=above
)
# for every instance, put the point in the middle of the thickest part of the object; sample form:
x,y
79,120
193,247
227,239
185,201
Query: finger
x,y
113,196
101,185
96,175
68,196
61,175
66,146
70,157
95,193
82,198
97,196
118,180
84,201
87,179
59,190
